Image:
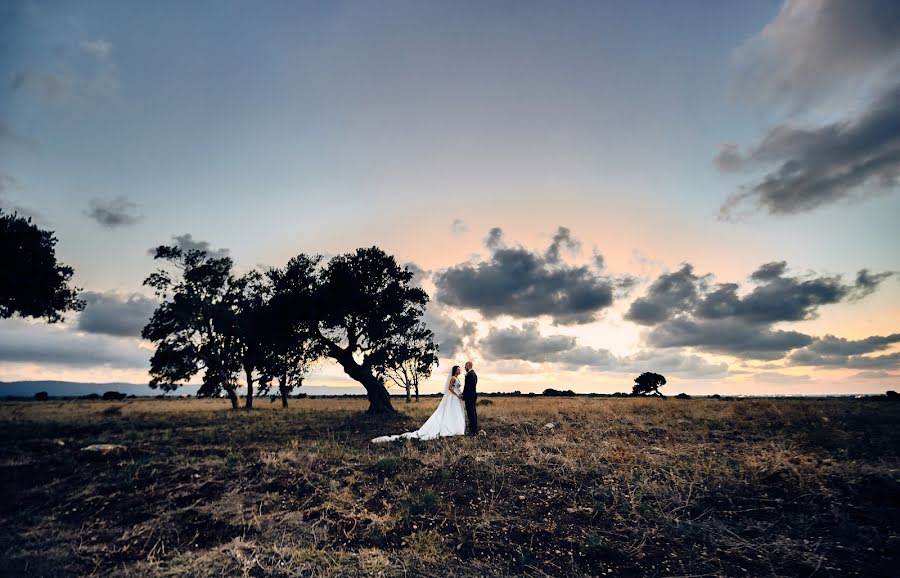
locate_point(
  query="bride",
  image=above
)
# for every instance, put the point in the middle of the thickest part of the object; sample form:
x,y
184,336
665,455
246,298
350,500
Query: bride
x,y
449,419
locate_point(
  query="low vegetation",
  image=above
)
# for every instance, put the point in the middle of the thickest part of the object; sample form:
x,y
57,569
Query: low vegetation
x,y
614,487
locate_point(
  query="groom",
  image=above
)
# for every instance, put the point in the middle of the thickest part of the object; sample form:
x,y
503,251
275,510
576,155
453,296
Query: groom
x,y
469,396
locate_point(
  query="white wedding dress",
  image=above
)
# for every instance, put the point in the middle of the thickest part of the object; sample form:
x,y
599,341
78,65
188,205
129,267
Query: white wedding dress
x,y
449,419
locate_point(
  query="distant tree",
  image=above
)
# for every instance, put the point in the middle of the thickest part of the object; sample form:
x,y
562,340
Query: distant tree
x,y
195,328
682,396
290,341
41,396
32,283
412,357
550,392
648,383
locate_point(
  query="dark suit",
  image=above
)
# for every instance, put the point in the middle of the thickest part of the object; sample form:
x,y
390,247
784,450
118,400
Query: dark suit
x,y
469,396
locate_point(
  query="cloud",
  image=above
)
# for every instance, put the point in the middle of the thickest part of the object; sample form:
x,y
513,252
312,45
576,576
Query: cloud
x,y
686,310
187,243
805,357
831,351
114,213
458,227
452,337
812,167
728,336
526,344
670,294
24,342
50,86
114,314
494,239
562,239
831,345
520,283
813,49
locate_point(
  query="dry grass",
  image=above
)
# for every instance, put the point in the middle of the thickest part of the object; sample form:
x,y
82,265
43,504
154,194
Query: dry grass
x,y
616,487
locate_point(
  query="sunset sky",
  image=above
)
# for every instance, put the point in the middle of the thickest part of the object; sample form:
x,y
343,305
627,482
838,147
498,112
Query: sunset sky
x,y
587,190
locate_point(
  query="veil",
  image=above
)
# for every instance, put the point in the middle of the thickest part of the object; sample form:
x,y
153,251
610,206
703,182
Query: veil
x,y
447,384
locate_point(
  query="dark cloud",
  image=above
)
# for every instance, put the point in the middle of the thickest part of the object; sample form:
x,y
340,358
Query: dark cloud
x,y
842,161
114,213
23,342
521,283
831,345
670,294
727,336
684,310
187,242
813,50
525,343
831,351
453,337
866,282
528,345
820,54
769,271
806,357
115,314
562,239
494,239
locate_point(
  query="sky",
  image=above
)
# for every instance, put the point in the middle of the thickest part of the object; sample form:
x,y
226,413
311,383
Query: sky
x,y
586,190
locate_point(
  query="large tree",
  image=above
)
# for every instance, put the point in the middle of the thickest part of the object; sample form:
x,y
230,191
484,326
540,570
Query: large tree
x,y
248,297
32,283
195,328
290,340
363,304
413,356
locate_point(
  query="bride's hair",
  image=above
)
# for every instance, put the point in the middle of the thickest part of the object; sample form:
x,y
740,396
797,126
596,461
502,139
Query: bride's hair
x,y
453,371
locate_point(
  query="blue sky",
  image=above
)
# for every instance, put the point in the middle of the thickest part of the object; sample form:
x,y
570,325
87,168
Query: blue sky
x,y
272,128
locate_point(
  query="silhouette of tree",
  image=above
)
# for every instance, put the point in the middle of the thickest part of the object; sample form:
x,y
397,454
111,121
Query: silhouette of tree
x,y
364,304
413,356
291,347
648,383
248,298
196,326
32,283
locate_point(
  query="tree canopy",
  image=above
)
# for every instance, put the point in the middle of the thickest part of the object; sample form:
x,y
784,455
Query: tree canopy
x,y
648,383
32,282
195,328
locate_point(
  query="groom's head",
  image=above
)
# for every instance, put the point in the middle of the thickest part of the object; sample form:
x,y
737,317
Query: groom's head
x,y
468,366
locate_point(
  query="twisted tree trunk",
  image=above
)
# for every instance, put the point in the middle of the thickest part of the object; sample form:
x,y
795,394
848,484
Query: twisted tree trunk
x,y
377,393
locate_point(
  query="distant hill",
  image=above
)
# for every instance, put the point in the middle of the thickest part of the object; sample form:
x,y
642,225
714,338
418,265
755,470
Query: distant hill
x,y
76,389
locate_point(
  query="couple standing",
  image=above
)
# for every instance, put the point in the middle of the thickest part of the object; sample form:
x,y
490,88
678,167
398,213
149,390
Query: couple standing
x,y
448,419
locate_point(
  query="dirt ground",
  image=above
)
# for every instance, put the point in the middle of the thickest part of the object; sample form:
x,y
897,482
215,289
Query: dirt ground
x,y
615,487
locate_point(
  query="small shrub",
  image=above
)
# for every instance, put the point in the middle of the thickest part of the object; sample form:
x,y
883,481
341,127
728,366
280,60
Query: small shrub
x,y
41,396
388,465
425,502
485,402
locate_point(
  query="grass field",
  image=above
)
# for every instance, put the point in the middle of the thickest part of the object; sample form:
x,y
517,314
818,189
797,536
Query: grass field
x,y
641,487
